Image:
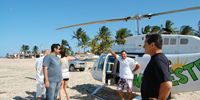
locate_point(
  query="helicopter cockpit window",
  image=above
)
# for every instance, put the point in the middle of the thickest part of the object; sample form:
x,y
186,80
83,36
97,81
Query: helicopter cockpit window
x,y
111,59
184,41
95,64
110,63
101,63
166,41
173,41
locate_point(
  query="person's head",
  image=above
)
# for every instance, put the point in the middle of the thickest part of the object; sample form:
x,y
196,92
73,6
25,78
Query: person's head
x,y
46,52
123,54
55,48
152,42
62,52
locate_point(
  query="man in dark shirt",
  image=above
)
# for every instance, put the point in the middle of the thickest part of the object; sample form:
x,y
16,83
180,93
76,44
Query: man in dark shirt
x,y
156,82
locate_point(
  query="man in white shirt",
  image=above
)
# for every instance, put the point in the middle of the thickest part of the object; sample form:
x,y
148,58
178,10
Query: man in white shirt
x,y
40,76
126,73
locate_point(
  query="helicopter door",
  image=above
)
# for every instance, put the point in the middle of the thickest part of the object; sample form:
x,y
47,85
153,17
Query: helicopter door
x,y
99,70
108,69
94,68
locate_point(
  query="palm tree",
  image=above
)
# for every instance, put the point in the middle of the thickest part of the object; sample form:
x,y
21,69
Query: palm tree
x,y
186,30
24,48
104,35
84,40
72,53
94,45
151,29
42,51
196,33
35,50
121,34
77,35
146,29
65,45
155,29
28,52
168,25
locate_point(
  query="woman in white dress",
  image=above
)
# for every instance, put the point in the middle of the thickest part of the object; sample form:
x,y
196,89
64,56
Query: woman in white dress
x,y
65,73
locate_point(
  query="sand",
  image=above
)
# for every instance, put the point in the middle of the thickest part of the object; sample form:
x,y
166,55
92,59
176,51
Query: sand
x,y
17,81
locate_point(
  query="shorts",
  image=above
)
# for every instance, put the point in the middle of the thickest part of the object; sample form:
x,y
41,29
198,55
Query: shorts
x,y
40,89
65,79
125,83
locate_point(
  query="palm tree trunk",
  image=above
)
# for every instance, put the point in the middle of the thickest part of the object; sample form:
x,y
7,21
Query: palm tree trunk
x,y
78,46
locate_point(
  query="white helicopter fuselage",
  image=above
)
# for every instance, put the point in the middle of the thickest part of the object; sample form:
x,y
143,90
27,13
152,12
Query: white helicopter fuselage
x,y
182,50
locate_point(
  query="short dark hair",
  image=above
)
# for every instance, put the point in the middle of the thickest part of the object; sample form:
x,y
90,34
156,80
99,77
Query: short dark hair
x,y
123,51
156,38
54,46
62,52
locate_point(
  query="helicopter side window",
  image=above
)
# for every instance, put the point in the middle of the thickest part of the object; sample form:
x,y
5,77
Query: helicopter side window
x,y
166,41
184,41
173,41
101,63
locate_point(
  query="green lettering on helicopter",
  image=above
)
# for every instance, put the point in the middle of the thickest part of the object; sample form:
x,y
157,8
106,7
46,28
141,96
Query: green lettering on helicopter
x,y
189,67
172,78
183,79
178,73
197,64
137,81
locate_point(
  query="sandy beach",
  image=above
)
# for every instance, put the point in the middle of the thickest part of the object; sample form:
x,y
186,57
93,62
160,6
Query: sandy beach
x,y
17,81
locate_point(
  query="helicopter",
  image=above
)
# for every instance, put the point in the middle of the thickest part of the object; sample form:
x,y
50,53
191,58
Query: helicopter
x,y
182,50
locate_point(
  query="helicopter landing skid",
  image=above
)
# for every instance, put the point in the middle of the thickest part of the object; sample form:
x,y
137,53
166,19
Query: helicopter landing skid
x,y
95,91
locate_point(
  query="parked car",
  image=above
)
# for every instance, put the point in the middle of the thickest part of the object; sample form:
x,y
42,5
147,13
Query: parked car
x,y
77,64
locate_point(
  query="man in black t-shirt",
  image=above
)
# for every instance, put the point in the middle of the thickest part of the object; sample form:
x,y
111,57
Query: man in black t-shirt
x,y
156,82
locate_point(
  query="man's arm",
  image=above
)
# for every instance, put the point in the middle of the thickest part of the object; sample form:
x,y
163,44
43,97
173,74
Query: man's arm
x,y
46,76
164,91
136,68
71,58
113,53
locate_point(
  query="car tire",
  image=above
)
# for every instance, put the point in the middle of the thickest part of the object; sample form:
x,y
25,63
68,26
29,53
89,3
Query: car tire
x,y
82,69
72,68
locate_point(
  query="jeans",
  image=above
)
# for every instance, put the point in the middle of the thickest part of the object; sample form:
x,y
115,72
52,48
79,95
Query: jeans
x,y
52,91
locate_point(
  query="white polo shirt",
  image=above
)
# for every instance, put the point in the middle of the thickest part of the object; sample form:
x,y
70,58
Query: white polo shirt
x,y
126,67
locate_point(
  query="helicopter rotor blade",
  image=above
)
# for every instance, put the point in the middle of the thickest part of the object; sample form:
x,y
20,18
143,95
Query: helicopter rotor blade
x,y
102,21
174,11
136,17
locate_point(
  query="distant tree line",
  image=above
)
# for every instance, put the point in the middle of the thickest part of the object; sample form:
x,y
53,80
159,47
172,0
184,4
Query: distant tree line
x,y
183,30
103,40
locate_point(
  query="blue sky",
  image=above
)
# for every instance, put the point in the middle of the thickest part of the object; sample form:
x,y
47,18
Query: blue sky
x,y
32,22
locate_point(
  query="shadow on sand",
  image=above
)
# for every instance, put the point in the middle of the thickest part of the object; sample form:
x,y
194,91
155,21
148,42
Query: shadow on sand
x,y
30,97
105,92
30,78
